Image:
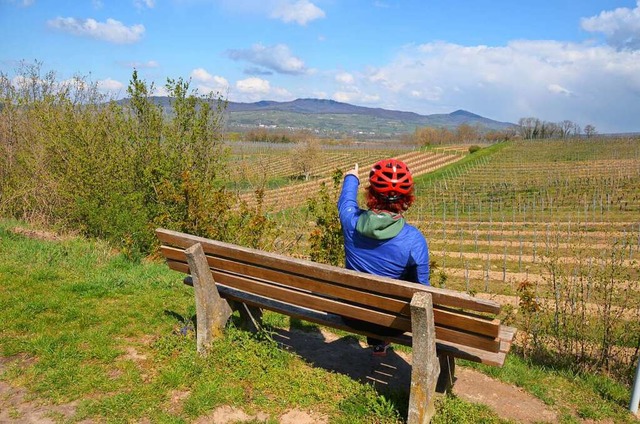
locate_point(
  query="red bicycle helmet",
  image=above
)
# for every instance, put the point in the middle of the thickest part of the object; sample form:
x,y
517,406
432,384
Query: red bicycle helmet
x,y
391,179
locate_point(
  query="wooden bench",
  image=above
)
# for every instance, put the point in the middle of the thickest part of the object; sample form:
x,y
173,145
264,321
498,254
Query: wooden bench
x,y
440,324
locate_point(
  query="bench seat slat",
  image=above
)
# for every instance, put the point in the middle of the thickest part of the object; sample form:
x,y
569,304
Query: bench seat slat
x,y
471,324
297,297
336,321
311,301
354,279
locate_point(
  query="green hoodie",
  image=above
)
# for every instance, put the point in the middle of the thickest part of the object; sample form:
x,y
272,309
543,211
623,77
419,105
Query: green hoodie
x,y
379,225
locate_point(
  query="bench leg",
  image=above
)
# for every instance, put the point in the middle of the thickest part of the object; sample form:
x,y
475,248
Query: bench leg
x,y
212,312
425,364
447,373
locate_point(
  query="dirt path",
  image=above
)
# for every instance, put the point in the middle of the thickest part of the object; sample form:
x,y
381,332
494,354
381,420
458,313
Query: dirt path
x,y
345,355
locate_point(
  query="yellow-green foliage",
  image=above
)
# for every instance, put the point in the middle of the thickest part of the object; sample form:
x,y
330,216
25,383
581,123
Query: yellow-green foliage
x,y
115,170
326,241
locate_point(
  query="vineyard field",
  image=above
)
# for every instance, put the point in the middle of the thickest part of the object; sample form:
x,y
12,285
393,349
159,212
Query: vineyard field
x,y
559,217
259,167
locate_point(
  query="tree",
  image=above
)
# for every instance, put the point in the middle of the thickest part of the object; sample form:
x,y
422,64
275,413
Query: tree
x,y
529,128
549,130
590,130
566,127
305,155
466,133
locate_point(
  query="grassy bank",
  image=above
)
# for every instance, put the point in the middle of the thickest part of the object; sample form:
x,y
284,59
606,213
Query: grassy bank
x,y
83,325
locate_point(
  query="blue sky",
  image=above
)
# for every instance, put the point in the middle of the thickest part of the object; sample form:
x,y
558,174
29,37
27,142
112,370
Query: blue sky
x,y
505,60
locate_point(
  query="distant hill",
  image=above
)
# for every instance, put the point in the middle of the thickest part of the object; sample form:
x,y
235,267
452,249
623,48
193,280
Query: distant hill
x,y
331,117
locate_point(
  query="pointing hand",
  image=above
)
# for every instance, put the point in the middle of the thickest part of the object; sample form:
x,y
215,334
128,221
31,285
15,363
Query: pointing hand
x,y
353,171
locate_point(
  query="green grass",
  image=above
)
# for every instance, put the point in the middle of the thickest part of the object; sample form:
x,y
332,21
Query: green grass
x,y
81,323
467,160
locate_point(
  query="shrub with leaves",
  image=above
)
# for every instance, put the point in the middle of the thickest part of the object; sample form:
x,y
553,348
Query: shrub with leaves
x,y
326,240
71,157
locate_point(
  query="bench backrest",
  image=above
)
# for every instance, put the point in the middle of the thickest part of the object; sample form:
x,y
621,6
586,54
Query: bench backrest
x,y
465,326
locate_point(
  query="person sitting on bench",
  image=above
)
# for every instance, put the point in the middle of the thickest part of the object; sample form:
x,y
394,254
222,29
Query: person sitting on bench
x,y
378,240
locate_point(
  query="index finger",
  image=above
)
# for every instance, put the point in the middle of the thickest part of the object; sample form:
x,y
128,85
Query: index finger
x,y
356,168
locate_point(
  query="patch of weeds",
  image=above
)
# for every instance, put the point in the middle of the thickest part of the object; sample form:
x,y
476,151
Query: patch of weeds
x,y
43,276
608,389
119,407
173,345
368,406
89,289
451,409
14,414
245,355
182,371
275,319
305,326
215,391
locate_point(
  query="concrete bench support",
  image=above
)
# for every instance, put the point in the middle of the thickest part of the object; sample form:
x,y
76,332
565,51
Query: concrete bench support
x,y
212,312
425,367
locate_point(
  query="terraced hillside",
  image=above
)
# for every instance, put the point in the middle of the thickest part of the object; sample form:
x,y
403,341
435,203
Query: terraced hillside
x,y
295,194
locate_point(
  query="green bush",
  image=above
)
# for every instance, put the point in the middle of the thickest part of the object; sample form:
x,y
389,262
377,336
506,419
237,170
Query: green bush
x,y
116,170
326,240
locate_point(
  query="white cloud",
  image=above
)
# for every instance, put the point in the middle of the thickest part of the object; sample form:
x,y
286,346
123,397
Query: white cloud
x,y
110,85
140,65
160,90
253,86
301,11
280,93
200,74
22,3
550,80
558,89
355,96
141,4
208,83
278,58
432,94
342,96
621,26
112,31
345,78
298,11
254,89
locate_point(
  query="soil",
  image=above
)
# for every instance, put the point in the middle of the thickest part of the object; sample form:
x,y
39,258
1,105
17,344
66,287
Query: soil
x,y
346,355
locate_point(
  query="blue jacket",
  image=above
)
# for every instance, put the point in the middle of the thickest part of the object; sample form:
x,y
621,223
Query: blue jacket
x,y
404,256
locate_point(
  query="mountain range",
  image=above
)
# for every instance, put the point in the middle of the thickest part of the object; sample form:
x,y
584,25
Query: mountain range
x,y
332,118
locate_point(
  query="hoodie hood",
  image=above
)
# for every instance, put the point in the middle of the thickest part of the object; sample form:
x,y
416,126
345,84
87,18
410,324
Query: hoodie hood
x,y
379,225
